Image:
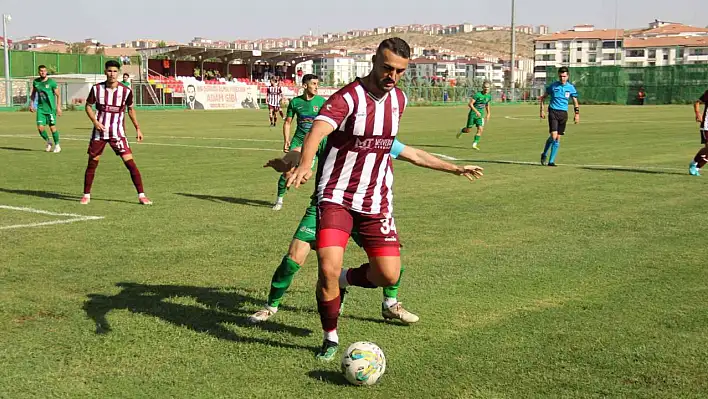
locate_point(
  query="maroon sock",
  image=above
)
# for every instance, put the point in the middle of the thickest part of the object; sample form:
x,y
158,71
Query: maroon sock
x,y
357,277
90,174
135,175
329,313
701,157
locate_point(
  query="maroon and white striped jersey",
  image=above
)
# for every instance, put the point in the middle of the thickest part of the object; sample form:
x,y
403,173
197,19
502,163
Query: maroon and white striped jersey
x,y
355,169
704,121
274,95
110,109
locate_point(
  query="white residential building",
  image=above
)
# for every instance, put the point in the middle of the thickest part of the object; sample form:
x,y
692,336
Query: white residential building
x,y
490,72
661,44
335,69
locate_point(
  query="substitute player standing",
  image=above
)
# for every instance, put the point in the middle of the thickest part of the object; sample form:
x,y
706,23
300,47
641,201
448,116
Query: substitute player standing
x,y
560,93
46,92
702,156
111,99
354,181
274,96
305,107
480,112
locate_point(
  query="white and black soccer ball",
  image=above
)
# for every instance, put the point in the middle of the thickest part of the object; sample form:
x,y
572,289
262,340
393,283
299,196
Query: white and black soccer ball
x,y
363,363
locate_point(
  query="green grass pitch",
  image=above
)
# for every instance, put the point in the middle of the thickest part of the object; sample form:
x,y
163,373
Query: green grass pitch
x,y
585,280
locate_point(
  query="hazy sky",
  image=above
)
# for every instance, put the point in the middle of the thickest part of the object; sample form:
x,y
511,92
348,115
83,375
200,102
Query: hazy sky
x,y
115,21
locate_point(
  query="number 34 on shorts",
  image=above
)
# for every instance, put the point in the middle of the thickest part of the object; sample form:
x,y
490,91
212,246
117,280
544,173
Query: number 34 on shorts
x,y
388,224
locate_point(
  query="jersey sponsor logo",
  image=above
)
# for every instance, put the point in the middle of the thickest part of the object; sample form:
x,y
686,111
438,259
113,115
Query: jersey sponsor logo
x,y
329,107
376,144
315,108
567,94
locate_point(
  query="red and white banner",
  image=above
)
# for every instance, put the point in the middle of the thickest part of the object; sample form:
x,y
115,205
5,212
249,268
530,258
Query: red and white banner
x,y
198,95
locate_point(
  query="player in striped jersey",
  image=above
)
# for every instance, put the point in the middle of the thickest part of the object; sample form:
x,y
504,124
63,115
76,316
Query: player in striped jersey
x,y
111,100
354,182
274,96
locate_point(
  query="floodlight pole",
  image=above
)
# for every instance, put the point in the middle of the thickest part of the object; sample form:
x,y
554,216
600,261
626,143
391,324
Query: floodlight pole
x,y
512,80
8,83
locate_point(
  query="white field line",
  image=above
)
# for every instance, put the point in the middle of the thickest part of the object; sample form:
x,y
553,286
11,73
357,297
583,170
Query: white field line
x,y
157,144
73,217
585,122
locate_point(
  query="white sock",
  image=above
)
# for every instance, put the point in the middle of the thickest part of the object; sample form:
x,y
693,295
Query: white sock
x,y
87,195
343,283
272,309
141,195
388,302
279,200
331,336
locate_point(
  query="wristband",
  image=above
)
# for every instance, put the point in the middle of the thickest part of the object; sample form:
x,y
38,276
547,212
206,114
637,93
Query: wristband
x,y
577,110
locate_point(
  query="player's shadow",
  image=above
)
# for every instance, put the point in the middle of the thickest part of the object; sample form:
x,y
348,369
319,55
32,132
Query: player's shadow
x,y
633,170
16,149
328,376
201,309
230,200
54,195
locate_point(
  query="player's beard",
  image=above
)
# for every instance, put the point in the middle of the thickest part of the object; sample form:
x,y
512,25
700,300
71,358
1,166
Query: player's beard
x,y
386,84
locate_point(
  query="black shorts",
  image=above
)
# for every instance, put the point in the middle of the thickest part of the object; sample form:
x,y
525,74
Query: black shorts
x,y
557,120
704,136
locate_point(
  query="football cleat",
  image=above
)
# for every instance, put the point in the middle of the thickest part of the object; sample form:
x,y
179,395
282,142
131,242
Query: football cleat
x,y
398,312
328,351
261,316
85,200
144,201
693,169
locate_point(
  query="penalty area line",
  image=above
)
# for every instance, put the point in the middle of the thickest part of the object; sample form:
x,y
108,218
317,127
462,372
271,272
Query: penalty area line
x,y
73,217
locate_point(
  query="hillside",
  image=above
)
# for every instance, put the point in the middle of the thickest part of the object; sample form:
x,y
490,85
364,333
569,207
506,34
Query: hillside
x,y
496,43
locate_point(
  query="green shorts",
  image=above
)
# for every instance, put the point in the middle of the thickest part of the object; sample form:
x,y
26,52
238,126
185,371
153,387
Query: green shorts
x,y
474,120
296,142
46,119
307,230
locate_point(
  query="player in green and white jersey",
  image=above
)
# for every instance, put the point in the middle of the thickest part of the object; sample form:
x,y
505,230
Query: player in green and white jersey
x,y
305,107
480,112
48,106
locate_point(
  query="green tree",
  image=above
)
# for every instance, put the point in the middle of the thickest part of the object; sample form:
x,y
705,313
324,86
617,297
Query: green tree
x,y
161,44
76,48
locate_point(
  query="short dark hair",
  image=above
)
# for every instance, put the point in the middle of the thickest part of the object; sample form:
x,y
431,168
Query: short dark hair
x,y
112,63
396,45
41,67
309,77
126,74
563,70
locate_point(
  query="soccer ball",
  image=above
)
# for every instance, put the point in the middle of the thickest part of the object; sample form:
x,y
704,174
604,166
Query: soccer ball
x,y
363,363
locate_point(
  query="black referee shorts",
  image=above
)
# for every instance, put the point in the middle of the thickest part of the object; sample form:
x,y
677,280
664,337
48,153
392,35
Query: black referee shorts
x,y
557,120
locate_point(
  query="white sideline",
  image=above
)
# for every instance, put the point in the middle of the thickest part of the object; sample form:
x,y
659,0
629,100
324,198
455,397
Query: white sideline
x,y
74,217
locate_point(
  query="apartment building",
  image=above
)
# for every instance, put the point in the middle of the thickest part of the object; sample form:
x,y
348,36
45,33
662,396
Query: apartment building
x,y
660,44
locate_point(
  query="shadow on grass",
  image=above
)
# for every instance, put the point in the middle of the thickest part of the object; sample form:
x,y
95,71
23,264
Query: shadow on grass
x,y
633,170
328,376
230,200
57,196
216,308
16,149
